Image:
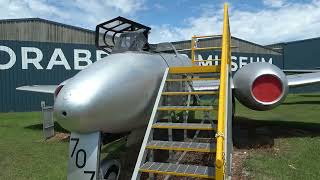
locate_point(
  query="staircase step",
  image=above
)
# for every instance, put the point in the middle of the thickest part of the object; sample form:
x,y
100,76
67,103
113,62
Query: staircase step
x,y
178,170
182,146
188,126
187,108
191,79
190,93
194,69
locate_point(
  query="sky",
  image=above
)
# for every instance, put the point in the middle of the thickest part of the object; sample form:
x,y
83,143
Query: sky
x,y
260,21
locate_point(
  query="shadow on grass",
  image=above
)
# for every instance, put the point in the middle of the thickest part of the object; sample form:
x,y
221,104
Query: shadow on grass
x,y
301,102
57,127
250,133
309,95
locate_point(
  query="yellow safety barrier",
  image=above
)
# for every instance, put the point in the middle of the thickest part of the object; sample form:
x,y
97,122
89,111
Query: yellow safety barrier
x,y
194,48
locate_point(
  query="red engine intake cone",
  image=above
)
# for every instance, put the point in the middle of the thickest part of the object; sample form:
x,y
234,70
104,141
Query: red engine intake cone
x,y
267,88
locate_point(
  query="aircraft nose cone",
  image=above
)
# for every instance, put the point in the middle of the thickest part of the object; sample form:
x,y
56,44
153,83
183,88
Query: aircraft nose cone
x,y
73,103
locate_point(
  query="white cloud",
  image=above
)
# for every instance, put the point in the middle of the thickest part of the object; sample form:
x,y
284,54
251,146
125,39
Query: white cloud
x,y
125,6
291,22
197,26
158,6
284,21
274,3
27,8
85,13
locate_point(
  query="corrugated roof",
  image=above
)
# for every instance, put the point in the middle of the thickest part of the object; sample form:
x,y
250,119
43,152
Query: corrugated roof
x,y
245,46
46,21
295,41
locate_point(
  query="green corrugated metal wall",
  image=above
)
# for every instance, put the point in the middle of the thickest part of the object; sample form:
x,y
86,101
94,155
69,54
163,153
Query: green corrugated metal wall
x,y
13,100
304,54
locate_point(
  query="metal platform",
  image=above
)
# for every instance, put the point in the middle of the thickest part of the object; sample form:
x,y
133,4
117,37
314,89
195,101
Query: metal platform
x,y
191,79
188,126
194,69
187,108
178,170
190,93
181,146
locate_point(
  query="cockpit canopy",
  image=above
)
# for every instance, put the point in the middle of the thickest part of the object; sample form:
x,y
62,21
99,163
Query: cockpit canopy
x,y
131,41
120,34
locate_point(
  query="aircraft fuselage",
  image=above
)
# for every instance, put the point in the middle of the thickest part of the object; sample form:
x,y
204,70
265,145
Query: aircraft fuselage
x,y
115,94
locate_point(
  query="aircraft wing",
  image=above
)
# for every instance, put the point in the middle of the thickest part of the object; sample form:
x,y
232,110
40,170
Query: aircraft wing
x,y
300,70
293,81
303,79
207,85
39,88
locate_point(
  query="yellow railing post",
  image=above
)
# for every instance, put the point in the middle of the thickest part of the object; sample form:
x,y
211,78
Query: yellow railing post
x,y
225,61
192,50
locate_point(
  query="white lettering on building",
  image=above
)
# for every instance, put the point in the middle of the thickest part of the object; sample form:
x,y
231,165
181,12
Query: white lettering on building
x,y
270,60
207,62
26,59
243,60
81,55
100,55
82,58
234,65
58,54
12,59
216,63
32,56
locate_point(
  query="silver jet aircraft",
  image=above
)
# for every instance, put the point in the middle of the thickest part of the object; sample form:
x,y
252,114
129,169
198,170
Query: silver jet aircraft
x,y
117,94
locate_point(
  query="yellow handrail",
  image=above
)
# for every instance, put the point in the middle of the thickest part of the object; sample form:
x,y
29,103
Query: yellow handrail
x,y
225,61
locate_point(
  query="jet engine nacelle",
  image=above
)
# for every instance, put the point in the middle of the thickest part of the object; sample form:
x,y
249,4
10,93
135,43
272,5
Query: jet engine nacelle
x,y
260,86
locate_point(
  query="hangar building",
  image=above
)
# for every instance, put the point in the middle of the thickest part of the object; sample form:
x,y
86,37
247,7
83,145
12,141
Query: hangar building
x,y
301,54
38,51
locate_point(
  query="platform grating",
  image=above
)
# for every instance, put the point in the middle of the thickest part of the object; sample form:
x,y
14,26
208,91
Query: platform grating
x,y
178,170
191,79
181,146
188,126
190,93
187,108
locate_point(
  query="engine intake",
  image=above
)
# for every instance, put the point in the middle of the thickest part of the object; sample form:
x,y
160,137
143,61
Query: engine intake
x,y
260,86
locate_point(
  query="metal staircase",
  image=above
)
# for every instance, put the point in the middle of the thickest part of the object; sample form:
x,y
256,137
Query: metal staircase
x,y
174,97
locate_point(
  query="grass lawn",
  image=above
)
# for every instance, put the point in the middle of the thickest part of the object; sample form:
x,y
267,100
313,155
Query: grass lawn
x,y
294,155
294,128
23,152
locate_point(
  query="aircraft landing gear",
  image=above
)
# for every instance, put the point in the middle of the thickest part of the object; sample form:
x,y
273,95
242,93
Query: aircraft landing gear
x,y
110,169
